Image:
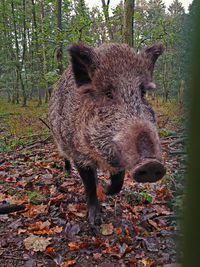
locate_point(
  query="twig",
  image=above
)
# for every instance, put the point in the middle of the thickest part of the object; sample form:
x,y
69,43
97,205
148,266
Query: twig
x,y
8,208
174,152
33,135
9,114
44,123
33,144
177,141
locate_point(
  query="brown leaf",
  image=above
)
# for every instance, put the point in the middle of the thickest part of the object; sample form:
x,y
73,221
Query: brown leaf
x,y
118,230
100,193
161,209
41,228
73,246
67,263
97,256
146,261
36,243
2,197
107,229
154,224
50,250
36,209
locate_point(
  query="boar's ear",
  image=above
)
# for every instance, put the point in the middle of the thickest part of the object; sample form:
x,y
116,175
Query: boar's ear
x,y
152,53
83,63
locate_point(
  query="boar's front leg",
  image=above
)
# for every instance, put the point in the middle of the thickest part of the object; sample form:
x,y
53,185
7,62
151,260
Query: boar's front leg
x,y
117,181
67,166
89,177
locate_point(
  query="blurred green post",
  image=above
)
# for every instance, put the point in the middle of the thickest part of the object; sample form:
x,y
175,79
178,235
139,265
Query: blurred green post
x,y
191,256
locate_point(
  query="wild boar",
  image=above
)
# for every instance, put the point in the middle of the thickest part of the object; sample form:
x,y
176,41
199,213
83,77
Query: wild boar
x,y
99,116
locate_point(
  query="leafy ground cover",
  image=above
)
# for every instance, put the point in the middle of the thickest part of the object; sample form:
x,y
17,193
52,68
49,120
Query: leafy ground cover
x,y
140,225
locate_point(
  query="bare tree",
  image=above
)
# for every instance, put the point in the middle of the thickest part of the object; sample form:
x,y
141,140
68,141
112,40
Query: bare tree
x,y
59,50
107,18
128,21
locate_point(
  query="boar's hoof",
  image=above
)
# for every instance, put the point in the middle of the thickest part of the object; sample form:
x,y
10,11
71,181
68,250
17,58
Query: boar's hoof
x,y
115,187
149,171
94,214
112,190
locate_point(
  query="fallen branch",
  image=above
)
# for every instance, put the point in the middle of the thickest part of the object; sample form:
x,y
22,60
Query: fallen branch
x,y
34,144
174,152
33,135
9,114
44,123
177,141
8,208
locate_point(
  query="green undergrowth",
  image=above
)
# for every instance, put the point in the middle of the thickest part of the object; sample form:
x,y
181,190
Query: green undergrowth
x,y
21,125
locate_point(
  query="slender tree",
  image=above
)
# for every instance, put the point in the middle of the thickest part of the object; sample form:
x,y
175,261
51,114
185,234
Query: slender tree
x,y
107,17
59,50
128,22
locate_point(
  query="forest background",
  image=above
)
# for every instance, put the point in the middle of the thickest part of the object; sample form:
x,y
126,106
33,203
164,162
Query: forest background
x,y
34,37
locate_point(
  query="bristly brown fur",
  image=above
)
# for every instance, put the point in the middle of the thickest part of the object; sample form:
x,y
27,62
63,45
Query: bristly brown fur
x,y
97,109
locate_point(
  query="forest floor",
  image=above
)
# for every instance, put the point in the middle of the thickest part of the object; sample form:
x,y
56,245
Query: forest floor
x,y
48,224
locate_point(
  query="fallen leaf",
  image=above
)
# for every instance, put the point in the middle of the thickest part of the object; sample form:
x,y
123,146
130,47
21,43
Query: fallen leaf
x,y
118,230
2,197
146,261
100,193
133,260
154,224
50,250
67,263
161,209
36,209
41,228
21,230
146,233
97,256
36,243
107,229
73,246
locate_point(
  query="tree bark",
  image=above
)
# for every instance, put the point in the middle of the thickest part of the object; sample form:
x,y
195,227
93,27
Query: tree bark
x,y
128,22
18,64
38,61
107,18
59,50
180,95
44,68
23,54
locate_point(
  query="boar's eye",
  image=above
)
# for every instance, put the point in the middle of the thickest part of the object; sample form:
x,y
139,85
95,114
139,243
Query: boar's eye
x,y
142,89
108,93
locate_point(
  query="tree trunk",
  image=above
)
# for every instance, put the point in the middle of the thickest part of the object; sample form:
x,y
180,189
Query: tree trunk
x,y
37,49
59,50
165,84
44,68
16,54
107,18
7,43
23,54
128,22
180,95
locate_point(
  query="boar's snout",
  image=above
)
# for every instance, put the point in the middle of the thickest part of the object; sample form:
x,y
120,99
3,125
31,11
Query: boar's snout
x,y
149,171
